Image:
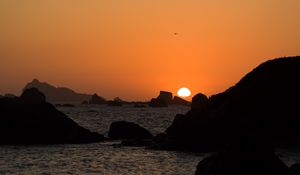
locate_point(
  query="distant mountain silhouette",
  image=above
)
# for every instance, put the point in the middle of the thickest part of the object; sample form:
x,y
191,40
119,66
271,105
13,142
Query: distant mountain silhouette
x,y
58,94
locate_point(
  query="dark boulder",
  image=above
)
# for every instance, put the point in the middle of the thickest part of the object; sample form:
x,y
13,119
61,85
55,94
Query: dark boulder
x,y
295,169
179,101
128,130
157,103
95,99
243,159
31,120
165,96
199,102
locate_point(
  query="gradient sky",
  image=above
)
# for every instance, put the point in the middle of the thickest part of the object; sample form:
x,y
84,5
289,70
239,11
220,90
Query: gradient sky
x,y
128,48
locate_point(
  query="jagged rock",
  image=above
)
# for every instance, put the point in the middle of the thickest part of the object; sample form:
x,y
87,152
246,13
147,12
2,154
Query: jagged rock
x,y
179,101
165,96
128,130
157,103
95,99
31,120
199,102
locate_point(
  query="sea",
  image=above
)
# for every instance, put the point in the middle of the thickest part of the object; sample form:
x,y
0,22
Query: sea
x,y
104,157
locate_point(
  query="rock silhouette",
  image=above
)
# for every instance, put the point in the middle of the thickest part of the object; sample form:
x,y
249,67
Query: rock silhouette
x,y
199,102
116,102
57,95
243,158
264,104
165,96
179,101
128,130
33,96
95,99
29,119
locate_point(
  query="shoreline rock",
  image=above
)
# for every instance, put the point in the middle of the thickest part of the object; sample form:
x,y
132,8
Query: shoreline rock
x,y
29,119
263,104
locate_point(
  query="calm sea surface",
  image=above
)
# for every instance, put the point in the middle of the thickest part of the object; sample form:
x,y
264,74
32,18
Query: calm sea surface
x,y
103,158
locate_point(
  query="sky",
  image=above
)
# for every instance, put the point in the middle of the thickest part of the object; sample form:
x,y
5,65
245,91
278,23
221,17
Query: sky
x,y
133,48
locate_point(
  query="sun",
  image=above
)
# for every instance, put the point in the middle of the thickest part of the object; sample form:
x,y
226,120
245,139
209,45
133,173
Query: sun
x,y
183,92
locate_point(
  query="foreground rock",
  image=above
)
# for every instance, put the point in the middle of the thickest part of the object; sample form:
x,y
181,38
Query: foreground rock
x,y
128,130
264,104
29,119
199,102
243,159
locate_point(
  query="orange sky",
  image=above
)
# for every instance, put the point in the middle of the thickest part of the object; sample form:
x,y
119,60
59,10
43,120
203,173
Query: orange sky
x,y
128,48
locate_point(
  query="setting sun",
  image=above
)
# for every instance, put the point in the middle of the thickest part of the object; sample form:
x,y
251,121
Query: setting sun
x,y
183,92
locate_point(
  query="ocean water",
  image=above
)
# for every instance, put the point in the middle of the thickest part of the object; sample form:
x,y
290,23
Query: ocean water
x,y
104,158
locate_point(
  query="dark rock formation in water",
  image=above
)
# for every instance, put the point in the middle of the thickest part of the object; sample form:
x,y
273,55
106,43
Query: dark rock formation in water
x,y
56,95
157,103
264,105
243,159
116,102
95,99
179,101
128,130
165,96
29,119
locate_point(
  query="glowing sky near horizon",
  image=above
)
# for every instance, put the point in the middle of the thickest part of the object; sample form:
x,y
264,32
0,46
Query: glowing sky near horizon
x,y
133,49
